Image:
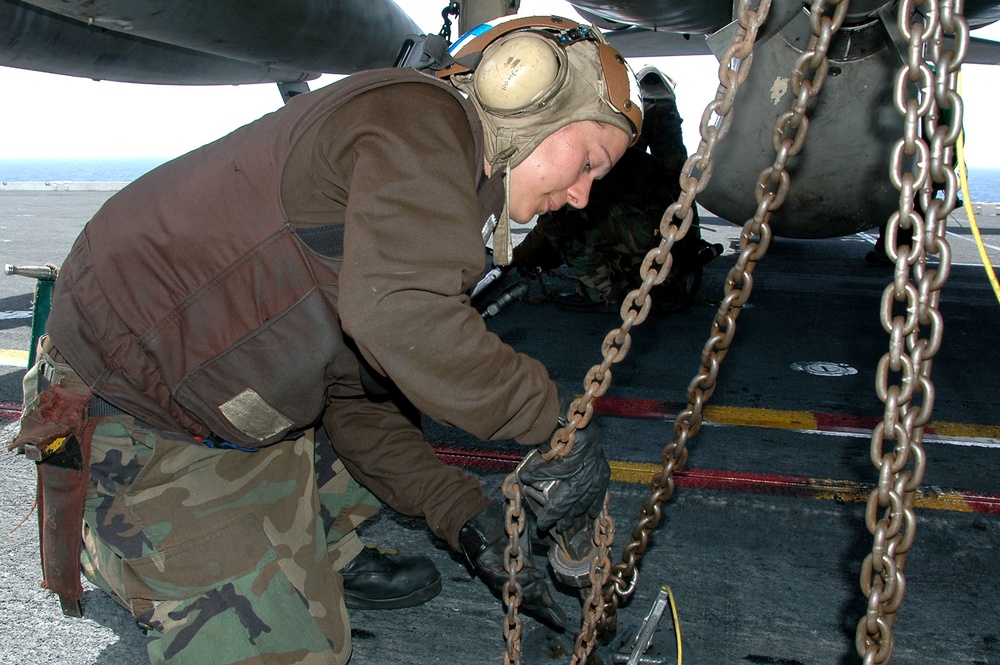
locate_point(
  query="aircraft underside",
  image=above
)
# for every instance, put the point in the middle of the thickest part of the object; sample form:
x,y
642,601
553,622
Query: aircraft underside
x,y
839,186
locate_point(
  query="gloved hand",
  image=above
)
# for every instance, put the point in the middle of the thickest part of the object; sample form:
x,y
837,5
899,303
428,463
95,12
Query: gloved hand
x,y
483,540
583,475
535,254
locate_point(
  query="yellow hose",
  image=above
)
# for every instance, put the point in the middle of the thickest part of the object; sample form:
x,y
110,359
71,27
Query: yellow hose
x,y
963,175
677,624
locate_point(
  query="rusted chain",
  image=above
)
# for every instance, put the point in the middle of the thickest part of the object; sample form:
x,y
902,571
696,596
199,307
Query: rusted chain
x,y
513,561
773,184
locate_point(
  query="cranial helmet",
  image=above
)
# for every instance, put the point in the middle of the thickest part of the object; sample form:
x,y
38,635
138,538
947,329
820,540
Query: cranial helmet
x,y
537,74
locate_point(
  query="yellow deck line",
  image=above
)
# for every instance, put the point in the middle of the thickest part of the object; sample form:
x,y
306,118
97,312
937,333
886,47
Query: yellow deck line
x,y
13,358
757,417
803,420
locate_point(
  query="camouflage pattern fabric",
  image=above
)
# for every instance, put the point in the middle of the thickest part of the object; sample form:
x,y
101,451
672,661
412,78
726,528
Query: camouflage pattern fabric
x,y
211,546
662,135
605,243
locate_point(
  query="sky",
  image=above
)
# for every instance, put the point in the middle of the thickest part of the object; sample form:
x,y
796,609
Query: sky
x,y
51,116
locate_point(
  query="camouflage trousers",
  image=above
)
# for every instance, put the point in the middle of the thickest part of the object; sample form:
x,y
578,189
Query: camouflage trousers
x,y
604,246
223,556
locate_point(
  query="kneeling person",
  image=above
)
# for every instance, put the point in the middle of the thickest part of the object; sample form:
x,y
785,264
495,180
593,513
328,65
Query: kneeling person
x,y
312,268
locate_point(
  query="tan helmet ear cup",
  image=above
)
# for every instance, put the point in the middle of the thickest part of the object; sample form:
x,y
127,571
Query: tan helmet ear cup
x,y
516,73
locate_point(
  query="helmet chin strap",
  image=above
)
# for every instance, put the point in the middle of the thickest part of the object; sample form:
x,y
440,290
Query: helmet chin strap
x,y
503,246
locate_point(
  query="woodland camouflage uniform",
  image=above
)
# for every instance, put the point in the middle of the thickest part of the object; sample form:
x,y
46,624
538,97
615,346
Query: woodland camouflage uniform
x,y
277,578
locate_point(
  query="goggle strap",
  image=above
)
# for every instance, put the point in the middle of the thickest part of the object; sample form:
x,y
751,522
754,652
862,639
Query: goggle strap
x,y
618,87
503,250
479,43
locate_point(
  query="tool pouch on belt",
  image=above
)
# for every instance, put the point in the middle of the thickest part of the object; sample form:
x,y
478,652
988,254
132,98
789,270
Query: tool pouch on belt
x,y
55,433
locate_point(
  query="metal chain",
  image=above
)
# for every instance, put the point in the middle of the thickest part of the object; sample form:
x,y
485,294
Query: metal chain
x,y
600,568
451,9
715,123
513,561
909,311
773,184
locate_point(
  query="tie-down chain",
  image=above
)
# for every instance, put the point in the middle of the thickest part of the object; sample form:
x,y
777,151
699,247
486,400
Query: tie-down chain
x,y
909,311
773,184
609,587
715,123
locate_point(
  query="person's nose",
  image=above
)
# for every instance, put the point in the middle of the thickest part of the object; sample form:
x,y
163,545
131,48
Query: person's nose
x,y
579,192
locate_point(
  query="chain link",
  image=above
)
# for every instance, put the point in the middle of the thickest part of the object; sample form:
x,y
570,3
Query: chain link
x,y
600,568
715,123
924,93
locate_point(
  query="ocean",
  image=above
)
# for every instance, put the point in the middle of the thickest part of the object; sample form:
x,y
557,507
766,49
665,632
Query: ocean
x,y
984,184
77,170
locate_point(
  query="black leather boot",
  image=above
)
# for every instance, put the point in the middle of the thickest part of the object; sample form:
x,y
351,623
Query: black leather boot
x,y
376,581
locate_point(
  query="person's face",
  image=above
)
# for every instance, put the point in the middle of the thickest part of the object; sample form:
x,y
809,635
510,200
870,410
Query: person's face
x,y
562,168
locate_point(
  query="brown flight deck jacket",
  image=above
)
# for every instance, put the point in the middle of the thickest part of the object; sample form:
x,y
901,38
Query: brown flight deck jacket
x,y
195,301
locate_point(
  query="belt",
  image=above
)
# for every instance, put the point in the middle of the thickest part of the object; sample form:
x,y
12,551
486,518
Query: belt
x,y
100,408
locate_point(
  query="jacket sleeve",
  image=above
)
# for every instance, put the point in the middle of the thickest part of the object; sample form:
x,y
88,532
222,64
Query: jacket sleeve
x,y
382,446
412,246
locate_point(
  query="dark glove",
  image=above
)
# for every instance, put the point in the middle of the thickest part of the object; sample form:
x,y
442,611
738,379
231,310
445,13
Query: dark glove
x,y
583,475
483,540
535,253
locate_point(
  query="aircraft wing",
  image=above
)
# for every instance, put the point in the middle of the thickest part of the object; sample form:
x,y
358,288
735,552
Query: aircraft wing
x,y
636,42
853,124
707,16
652,28
205,42
201,42
646,43
983,52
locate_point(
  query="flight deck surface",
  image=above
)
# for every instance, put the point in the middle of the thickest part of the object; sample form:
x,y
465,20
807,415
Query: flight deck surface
x,y
763,540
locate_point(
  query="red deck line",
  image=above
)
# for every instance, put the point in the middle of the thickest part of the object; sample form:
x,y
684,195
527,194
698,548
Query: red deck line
x,y
708,479
10,410
748,483
637,408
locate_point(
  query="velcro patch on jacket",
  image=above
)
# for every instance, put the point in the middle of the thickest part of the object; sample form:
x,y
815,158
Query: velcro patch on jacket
x,y
253,416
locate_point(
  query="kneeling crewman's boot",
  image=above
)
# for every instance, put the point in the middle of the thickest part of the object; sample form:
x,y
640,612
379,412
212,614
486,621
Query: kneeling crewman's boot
x,y
375,581
483,540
